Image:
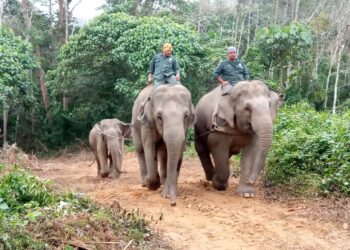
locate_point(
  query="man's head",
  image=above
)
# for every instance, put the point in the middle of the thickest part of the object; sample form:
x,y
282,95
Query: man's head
x,y
167,49
232,53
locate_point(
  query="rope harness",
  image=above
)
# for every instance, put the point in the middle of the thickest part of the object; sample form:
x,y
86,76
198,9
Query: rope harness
x,y
221,129
99,131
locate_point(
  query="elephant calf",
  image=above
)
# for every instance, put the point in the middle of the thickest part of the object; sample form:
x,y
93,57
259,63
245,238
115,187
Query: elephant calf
x,y
106,140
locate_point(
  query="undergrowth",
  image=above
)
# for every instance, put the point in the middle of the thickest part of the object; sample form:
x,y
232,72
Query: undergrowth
x,y
311,152
34,216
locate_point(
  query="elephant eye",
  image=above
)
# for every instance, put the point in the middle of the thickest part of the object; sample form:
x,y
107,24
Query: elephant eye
x,y
186,114
159,116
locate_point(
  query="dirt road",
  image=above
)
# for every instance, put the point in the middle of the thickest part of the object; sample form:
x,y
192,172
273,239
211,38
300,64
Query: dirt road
x,y
203,218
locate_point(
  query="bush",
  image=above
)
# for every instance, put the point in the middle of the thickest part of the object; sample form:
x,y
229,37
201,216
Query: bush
x,y
32,216
313,144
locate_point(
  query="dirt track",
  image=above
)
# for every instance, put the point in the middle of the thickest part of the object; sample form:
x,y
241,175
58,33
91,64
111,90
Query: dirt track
x,y
203,218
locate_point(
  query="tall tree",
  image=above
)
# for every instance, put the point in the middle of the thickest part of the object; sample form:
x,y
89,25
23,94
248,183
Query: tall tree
x,y
16,88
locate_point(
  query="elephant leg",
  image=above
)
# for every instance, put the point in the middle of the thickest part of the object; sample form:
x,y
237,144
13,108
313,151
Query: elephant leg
x,y
98,165
114,173
245,188
222,168
140,156
162,156
152,178
166,189
102,155
204,156
149,147
143,167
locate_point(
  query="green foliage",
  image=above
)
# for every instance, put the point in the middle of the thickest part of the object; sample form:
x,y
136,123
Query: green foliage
x,y
28,207
278,48
104,66
310,147
15,65
19,190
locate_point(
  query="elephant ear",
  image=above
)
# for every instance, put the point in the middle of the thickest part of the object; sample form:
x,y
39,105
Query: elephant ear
x,y
225,110
191,117
126,129
145,114
276,101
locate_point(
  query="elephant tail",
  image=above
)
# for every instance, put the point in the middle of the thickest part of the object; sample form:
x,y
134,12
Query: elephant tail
x,y
92,163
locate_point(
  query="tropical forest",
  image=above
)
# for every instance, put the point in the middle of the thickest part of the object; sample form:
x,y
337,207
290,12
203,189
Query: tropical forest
x,y
95,155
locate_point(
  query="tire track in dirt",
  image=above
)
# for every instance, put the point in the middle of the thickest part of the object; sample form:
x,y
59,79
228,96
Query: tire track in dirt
x,y
203,218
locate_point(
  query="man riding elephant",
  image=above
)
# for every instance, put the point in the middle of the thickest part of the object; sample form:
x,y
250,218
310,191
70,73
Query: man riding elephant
x,y
164,68
230,71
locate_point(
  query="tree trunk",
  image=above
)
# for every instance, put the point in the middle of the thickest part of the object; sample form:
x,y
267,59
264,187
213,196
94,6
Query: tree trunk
x,y
328,78
335,97
42,82
233,26
257,19
296,13
63,21
27,12
5,117
319,50
18,117
249,15
271,71
276,12
1,11
285,13
241,33
222,25
237,26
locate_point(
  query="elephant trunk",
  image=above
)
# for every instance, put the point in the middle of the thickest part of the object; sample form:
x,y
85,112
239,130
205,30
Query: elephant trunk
x,y
174,140
264,131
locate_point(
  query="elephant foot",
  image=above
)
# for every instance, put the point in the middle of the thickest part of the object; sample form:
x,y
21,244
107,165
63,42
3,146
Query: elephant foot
x,y
114,175
220,186
153,184
143,183
246,191
166,195
209,174
104,175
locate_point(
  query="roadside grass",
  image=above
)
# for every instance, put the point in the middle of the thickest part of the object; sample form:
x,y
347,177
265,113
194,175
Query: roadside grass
x,y
34,216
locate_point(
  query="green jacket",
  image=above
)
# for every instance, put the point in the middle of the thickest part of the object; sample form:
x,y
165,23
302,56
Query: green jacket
x,y
162,66
231,71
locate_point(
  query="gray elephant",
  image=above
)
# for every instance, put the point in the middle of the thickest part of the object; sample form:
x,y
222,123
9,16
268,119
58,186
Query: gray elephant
x,y
160,134
106,141
241,121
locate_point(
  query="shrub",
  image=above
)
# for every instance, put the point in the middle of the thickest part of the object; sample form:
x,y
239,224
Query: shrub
x,y
309,143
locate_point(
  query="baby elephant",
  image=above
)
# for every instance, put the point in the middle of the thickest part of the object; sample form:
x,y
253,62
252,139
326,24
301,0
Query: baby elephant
x,y
106,141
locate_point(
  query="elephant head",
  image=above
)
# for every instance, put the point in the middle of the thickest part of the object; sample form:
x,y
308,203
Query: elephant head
x,y
107,140
168,114
252,107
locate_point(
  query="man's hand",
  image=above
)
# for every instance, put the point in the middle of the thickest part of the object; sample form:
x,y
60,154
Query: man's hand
x,y
149,79
225,83
177,77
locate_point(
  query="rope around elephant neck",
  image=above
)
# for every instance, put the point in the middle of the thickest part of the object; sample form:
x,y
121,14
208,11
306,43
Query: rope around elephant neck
x,y
113,136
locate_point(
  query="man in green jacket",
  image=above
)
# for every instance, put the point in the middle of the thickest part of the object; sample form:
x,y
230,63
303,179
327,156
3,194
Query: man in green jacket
x,y
164,68
230,71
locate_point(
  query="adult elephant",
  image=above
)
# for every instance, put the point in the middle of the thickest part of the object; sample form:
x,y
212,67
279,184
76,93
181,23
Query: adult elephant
x,y
106,141
241,121
160,134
